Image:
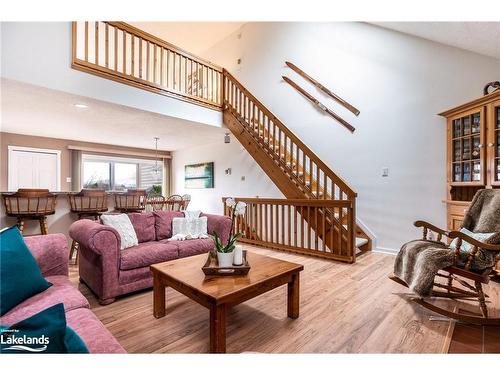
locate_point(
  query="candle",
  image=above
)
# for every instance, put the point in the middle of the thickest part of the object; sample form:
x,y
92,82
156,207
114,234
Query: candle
x,y
238,255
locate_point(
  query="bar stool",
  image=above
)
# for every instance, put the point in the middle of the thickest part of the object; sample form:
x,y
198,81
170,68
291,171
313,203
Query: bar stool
x,y
88,203
30,204
131,201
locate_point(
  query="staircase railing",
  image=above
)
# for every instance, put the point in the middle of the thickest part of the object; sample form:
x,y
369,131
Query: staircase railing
x,y
315,177
302,166
121,52
296,224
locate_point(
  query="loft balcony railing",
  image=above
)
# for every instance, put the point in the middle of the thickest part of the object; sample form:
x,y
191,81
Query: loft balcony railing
x,y
121,52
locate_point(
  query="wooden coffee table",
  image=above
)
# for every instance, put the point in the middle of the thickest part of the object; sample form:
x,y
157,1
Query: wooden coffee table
x,y
217,293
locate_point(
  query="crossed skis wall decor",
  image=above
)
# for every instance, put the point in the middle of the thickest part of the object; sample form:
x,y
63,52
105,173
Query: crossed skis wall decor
x,y
316,102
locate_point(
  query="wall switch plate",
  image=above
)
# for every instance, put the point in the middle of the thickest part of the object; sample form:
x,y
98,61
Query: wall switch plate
x,y
68,179
385,172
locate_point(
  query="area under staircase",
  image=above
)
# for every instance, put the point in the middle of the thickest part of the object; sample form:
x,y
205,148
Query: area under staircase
x,y
318,216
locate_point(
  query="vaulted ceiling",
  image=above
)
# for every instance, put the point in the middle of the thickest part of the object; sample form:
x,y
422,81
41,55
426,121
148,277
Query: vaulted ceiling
x,y
479,37
195,37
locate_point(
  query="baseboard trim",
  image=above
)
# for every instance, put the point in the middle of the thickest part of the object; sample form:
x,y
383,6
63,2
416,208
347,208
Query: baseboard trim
x,y
385,250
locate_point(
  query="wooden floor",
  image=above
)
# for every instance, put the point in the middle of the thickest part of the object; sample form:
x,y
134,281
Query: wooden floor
x,y
345,308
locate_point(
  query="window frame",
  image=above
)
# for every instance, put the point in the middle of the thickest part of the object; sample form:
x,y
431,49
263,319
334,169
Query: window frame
x,y
112,160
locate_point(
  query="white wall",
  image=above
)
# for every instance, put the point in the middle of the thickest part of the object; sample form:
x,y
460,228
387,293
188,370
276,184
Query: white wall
x,y
40,53
398,82
224,156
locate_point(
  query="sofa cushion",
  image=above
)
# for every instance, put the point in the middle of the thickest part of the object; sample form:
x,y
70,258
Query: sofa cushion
x,y
61,291
194,247
163,223
147,253
144,225
21,275
92,332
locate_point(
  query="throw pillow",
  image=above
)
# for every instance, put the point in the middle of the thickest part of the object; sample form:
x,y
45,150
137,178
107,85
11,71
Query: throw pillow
x,y
191,214
467,247
124,227
21,277
163,223
144,225
45,332
189,228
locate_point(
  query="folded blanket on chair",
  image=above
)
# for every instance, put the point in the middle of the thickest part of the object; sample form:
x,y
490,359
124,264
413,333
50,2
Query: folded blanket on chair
x,y
418,262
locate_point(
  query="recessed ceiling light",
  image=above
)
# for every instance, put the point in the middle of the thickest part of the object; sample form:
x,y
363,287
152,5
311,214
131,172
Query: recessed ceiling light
x,y
80,105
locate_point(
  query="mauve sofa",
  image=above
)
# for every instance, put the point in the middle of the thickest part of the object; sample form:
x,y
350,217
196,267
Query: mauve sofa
x,y
51,253
110,273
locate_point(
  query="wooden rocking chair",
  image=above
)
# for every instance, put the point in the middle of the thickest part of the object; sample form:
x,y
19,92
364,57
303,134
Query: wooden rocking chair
x,y
470,281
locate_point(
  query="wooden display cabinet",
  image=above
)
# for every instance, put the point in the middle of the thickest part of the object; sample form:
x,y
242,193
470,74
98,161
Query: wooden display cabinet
x,y
473,153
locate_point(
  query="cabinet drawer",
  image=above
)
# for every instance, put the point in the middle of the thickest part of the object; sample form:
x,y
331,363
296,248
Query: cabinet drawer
x,y
457,209
455,222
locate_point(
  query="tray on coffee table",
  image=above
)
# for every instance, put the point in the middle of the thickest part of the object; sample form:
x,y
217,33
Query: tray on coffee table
x,y
211,266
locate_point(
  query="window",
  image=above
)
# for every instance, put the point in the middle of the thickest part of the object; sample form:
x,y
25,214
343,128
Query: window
x,y
96,175
119,174
125,176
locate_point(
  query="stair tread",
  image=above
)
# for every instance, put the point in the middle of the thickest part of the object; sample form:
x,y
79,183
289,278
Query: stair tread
x,y
361,241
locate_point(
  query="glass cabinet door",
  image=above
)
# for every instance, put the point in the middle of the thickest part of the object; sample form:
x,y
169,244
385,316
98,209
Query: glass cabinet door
x,y
494,142
467,157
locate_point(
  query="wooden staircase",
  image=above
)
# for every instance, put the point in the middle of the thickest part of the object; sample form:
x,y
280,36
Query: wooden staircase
x,y
319,215
291,165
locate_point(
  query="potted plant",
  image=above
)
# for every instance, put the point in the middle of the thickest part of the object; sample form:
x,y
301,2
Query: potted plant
x,y
225,252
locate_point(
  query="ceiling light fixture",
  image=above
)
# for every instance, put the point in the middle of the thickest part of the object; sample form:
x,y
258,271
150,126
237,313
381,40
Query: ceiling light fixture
x,y
80,105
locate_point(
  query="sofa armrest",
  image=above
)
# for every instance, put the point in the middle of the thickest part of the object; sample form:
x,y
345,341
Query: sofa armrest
x,y
219,224
100,239
51,252
99,251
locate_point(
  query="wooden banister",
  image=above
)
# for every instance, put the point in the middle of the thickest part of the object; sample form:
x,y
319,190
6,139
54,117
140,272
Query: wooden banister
x,y
126,54
234,89
305,226
299,202
301,167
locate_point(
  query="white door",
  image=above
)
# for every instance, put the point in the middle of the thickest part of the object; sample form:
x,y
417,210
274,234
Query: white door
x,y
34,168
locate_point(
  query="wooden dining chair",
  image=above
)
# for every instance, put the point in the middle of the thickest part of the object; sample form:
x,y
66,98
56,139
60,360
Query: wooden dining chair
x,y
131,201
186,198
155,203
174,203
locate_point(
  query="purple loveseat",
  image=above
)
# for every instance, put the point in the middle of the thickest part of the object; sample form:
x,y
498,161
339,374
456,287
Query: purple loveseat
x,y
109,272
51,253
